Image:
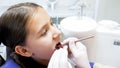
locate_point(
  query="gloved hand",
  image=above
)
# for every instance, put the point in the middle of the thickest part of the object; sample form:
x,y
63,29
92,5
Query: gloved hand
x,y
78,53
59,59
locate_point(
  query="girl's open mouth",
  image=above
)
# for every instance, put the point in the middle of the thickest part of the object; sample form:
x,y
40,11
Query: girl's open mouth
x,y
58,45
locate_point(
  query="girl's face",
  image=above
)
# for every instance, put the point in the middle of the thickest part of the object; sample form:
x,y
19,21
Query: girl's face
x,y
42,36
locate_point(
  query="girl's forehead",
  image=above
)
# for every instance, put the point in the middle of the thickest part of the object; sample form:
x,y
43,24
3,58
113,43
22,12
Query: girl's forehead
x,y
40,14
38,20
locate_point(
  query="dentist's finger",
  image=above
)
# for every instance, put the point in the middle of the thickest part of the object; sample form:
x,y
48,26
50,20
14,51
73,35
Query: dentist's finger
x,y
80,46
72,47
66,41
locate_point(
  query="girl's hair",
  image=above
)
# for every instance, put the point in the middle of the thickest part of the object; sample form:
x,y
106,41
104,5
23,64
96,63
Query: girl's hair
x,y
13,24
13,28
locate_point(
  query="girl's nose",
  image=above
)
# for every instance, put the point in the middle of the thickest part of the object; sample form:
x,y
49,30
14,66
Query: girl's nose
x,y
56,33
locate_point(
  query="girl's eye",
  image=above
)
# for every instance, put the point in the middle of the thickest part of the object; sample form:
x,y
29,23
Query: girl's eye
x,y
44,32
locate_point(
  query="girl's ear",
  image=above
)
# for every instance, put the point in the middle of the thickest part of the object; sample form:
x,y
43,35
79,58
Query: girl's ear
x,y
21,50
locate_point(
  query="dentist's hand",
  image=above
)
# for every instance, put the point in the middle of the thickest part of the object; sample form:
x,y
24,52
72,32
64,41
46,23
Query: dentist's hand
x,y
79,53
59,59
